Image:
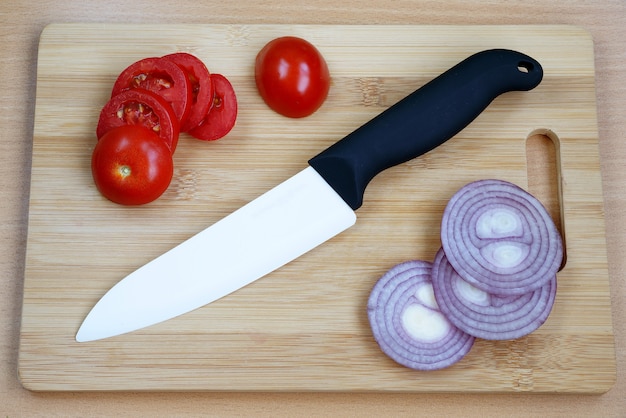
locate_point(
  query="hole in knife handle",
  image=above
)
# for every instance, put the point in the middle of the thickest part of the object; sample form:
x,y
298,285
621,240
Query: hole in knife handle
x,y
525,67
544,179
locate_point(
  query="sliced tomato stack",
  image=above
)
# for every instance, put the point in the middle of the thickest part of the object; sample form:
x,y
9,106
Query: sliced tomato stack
x,y
171,94
167,95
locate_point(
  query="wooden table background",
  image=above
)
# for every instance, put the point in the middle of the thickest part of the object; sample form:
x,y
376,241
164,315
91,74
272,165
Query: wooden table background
x,y
21,23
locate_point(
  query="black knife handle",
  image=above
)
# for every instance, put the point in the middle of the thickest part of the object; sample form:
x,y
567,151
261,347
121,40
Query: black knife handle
x,y
423,120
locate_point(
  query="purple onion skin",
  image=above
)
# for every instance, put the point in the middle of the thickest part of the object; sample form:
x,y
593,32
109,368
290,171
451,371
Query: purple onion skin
x,y
500,238
400,293
488,316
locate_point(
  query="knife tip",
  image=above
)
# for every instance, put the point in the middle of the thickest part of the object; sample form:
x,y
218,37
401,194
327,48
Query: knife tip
x,y
83,335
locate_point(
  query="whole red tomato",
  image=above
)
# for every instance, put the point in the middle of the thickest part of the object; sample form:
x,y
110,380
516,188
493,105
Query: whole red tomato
x,y
292,76
131,165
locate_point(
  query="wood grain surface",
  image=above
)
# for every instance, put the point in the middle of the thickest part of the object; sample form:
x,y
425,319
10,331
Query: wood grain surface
x,y
304,327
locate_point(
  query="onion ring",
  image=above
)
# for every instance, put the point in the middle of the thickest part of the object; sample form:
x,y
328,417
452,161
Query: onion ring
x,y
500,238
489,316
407,323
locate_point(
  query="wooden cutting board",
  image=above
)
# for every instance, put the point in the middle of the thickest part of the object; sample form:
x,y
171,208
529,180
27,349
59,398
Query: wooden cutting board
x,y
304,327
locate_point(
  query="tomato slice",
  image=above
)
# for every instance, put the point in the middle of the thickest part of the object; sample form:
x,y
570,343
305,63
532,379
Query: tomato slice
x,y
140,107
222,116
162,77
201,87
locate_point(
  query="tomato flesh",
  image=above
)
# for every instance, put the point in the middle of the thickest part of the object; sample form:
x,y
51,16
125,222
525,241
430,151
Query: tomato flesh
x,y
140,107
222,115
292,76
131,165
160,76
201,87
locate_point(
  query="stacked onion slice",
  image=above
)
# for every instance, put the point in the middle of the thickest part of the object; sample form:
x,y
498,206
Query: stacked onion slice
x,y
493,278
488,315
500,238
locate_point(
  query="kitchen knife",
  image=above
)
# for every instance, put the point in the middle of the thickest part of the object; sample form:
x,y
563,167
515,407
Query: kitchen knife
x,y
312,206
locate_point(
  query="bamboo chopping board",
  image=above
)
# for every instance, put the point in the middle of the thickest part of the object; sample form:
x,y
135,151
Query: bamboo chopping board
x,y
304,327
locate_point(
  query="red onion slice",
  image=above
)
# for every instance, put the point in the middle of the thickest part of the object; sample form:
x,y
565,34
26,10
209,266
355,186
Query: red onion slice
x,y
488,316
500,238
407,323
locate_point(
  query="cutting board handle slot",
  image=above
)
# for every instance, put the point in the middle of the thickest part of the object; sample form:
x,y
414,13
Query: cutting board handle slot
x,y
544,176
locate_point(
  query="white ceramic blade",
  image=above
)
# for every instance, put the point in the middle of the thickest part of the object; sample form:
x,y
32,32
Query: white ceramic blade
x,y
279,226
